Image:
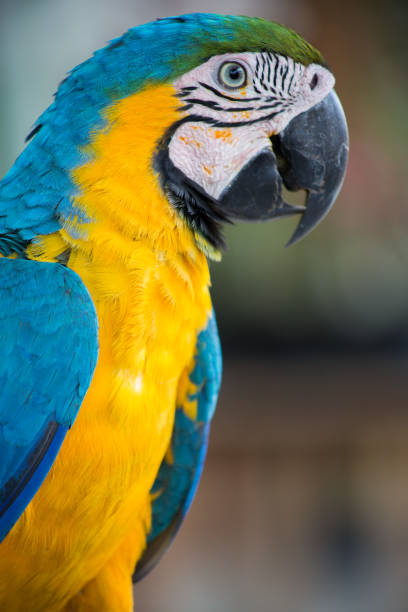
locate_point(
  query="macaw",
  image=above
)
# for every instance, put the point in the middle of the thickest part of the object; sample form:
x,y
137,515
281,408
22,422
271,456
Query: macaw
x,y
110,357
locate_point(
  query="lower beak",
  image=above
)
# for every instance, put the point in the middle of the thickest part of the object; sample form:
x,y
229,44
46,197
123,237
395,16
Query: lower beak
x,y
311,154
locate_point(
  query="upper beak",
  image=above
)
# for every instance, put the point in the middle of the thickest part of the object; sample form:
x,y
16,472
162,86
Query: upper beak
x,y
315,148
312,155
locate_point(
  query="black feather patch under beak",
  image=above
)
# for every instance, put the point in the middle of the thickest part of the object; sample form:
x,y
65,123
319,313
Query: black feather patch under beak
x,y
312,155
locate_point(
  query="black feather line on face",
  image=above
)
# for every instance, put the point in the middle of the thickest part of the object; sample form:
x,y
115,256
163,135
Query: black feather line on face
x,y
201,212
185,91
215,106
221,95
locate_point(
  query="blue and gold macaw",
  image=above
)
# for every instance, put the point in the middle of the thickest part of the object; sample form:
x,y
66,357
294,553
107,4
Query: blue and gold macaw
x,y
110,358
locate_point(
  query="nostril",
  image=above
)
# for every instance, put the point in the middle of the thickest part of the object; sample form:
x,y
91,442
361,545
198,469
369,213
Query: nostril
x,y
314,81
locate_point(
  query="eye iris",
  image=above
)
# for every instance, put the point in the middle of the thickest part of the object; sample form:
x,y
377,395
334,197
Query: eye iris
x,y
232,75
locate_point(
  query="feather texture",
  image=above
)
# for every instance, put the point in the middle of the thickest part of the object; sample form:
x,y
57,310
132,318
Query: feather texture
x,y
48,354
177,480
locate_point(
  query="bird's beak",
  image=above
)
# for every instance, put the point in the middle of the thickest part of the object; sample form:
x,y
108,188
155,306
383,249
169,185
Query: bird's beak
x,y
310,154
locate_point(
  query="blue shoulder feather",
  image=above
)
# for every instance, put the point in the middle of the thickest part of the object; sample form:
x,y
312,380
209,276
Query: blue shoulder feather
x,y
178,478
48,352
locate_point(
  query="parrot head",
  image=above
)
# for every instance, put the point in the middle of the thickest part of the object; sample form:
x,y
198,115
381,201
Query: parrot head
x,y
254,110
254,118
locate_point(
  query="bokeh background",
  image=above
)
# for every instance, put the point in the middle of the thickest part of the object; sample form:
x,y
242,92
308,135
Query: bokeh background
x,y
303,505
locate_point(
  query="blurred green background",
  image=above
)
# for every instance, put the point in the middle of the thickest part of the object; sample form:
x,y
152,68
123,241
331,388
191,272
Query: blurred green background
x,y
303,505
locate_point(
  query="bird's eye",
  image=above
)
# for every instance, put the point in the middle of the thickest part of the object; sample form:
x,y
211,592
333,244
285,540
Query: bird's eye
x,y
232,75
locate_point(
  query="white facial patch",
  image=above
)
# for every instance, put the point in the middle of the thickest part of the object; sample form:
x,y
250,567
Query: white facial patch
x,y
213,156
229,126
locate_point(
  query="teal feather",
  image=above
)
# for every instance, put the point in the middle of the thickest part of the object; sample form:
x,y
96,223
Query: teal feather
x,y
48,351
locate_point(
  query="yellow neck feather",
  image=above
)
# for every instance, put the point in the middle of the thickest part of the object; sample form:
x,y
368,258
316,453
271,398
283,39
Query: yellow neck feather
x,y
119,189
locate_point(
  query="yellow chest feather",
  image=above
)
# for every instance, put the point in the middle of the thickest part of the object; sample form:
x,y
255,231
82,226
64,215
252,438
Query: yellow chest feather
x,y
149,283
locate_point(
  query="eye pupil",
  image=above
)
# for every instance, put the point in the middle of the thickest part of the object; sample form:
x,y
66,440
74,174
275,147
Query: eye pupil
x,y
235,73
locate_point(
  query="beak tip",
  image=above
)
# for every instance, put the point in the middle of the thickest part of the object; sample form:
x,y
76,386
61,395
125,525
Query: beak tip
x,y
299,233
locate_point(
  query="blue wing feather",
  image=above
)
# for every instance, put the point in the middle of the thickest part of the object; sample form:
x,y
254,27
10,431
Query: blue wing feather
x,y
177,480
48,352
